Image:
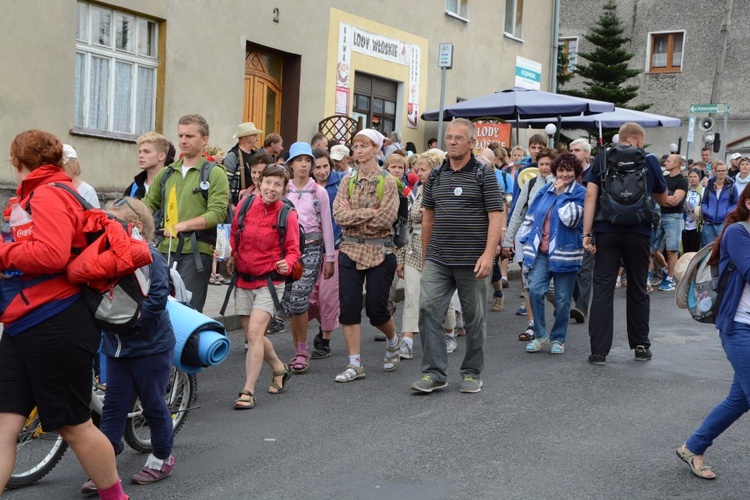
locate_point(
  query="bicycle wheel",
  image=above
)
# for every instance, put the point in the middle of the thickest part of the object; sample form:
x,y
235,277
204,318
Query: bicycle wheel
x,y
37,453
180,397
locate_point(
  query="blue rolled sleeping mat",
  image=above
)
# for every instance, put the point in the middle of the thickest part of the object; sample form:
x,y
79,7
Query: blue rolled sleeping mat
x,y
201,341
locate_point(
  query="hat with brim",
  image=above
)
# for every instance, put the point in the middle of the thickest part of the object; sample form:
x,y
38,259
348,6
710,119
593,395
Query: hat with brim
x,y
247,128
683,286
69,152
299,149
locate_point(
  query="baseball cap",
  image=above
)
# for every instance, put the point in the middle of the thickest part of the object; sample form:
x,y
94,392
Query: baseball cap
x,y
339,152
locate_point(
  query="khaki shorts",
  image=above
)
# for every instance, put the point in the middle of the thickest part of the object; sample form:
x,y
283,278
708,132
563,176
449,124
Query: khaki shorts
x,y
245,301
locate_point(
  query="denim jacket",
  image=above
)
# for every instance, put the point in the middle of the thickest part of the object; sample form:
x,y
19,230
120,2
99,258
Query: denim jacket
x,y
565,228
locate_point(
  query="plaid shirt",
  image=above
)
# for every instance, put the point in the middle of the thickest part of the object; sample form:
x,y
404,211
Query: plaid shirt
x,y
411,254
368,218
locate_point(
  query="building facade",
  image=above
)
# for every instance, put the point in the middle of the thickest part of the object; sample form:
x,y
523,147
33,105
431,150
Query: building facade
x,y
676,43
99,73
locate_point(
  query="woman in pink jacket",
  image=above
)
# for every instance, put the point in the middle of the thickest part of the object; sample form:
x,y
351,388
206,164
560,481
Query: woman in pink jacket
x,y
314,211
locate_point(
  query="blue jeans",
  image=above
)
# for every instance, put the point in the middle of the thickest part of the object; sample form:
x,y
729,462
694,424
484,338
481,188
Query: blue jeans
x,y
436,289
737,402
538,283
710,233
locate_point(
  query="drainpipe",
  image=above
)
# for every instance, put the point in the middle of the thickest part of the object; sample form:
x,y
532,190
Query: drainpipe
x,y
555,46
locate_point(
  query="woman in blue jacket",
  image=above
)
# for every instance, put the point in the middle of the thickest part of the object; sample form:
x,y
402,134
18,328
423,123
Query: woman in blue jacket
x,y
719,198
553,248
733,323
140,363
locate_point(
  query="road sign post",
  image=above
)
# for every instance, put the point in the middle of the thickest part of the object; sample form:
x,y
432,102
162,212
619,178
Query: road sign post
x,y
445,62
690,136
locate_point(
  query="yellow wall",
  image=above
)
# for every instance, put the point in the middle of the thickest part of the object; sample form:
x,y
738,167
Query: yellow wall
x,y
377,67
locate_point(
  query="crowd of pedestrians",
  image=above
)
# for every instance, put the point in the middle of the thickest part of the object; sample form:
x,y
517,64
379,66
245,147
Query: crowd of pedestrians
x,y
315,225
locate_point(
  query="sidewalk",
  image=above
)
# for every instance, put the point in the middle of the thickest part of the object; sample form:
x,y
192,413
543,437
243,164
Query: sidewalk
x,y
216,294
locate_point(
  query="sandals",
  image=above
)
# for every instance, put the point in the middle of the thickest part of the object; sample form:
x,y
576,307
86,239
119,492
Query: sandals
x,y
351,373
528,335
687,456
392,357
244,404
536,344
216,279
301,362
286,373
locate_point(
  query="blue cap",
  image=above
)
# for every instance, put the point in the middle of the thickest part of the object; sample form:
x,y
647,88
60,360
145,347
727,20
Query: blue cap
x,y
299,149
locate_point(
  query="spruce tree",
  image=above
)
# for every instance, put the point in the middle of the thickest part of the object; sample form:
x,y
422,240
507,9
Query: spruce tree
x,y
607,70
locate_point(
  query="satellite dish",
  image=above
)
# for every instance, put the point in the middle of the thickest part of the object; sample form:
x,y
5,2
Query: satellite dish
x,y
706,124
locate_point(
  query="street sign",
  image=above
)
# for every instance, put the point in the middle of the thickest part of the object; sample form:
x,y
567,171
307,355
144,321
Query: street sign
x,y
709,108
691,129
445,56
528,74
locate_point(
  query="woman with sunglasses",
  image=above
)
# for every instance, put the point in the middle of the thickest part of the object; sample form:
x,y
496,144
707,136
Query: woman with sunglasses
x,y
49,341
139,364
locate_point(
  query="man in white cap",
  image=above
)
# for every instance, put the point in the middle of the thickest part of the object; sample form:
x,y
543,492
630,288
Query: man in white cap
x,y
340,158
237,160
734,167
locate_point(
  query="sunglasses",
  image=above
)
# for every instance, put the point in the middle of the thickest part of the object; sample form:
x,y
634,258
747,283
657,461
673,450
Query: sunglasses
x,y
122,201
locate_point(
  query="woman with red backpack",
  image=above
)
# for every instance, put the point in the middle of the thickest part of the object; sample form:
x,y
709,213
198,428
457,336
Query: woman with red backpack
x,y
50,338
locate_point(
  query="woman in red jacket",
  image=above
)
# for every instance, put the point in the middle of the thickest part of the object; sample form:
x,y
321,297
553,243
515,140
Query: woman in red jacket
x,y
256,256
50,338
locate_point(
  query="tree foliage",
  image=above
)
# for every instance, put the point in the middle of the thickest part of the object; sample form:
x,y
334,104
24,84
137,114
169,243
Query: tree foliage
x,y
607,72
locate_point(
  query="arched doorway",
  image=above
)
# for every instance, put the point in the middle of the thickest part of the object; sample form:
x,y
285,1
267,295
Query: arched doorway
x,y
262,95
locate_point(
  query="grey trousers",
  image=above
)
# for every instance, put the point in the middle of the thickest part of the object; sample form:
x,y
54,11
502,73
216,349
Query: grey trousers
x,y
196,282
582,290
437,286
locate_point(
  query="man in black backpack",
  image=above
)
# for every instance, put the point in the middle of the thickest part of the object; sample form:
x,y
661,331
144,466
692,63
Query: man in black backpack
x,y
617,225
201,206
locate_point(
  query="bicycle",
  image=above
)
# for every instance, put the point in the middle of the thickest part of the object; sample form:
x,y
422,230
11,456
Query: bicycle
x,y
38,451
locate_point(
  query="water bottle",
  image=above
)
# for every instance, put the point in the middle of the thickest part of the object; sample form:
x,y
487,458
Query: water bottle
x,y
20,223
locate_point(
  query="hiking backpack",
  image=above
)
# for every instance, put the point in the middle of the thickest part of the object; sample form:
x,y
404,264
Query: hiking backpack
x,y
624,196
204,185
399,229
297,271
115,305
701,291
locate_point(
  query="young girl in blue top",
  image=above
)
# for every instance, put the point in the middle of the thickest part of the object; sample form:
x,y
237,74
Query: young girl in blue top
x,y
140,363
733,323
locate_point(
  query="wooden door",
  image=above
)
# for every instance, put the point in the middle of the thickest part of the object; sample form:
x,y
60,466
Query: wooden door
x,y
262,95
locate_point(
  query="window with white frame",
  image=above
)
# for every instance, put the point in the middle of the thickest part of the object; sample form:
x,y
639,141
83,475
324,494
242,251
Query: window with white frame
x,y
665,52
459,8
570,49
514,18
116,65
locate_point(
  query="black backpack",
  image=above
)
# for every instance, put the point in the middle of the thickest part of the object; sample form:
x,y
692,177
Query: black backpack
x,y
624,196
286,207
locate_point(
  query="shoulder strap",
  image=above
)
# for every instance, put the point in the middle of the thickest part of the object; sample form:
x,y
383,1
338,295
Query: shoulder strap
x,y
242,169
167,172
353,182
85,204
283,216
380,185
244,207
205,173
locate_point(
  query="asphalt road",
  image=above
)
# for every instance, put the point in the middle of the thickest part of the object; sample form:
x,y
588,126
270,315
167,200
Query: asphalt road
x,y
543,426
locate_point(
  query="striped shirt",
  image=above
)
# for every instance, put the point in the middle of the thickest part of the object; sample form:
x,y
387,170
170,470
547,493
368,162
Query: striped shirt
x,y
460,200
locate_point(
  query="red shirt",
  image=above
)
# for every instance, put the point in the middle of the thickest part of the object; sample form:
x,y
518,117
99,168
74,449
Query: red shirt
x,y
260,243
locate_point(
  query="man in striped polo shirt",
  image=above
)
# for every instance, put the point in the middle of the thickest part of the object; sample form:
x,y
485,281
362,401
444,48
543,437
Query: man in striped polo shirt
x,y
462,224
